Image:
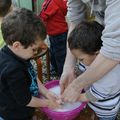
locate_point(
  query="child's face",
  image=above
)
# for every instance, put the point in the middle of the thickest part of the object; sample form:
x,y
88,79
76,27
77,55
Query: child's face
x,y
29,52
32,50
83,57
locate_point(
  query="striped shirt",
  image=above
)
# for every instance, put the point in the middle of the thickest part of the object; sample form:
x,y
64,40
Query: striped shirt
x,y
107,93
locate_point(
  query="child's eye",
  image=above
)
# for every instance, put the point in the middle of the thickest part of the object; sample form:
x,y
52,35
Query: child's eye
x,y
35,50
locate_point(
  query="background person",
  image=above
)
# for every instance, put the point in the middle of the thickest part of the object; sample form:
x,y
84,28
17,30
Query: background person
x,y
53,15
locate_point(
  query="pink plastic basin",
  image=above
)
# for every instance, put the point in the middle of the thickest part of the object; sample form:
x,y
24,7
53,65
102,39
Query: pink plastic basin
x,y
61,115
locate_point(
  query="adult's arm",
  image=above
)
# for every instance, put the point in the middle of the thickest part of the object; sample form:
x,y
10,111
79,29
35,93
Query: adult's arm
x,y
76,13
98,68
109,55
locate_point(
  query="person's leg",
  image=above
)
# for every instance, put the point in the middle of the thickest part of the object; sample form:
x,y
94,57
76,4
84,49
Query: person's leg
x,y
52,54
59,49
1,118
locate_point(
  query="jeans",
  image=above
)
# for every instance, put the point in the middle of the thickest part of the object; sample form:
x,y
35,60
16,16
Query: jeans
x,y
1,118
58,51
111,118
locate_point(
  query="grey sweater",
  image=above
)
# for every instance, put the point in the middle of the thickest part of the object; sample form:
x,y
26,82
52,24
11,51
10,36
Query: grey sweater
x,y
107,12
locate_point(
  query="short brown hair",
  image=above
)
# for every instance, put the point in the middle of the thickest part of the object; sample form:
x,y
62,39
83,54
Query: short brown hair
x,y
22,25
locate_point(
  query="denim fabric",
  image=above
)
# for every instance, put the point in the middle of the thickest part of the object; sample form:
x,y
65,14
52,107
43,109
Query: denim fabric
x,y
111,118
1,118
58,51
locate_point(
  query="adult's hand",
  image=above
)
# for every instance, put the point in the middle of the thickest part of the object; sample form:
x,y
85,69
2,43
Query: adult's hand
x,y
68,72
100,66
66,79
72,92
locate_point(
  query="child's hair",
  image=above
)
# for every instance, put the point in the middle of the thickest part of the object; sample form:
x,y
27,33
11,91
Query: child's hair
x,y
87,37
24,26
4,7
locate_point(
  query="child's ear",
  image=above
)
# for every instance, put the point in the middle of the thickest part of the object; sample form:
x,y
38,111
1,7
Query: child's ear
x,y
16,45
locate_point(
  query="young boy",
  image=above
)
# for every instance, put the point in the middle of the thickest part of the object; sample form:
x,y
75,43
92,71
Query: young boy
x,y
53,15
5,6
104,95
23,33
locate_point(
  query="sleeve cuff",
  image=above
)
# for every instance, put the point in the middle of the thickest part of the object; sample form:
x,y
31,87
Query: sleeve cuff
x,y
90,97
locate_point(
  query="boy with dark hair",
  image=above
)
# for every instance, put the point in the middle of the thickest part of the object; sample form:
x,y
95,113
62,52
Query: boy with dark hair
x,y
23,33
103,95
5,6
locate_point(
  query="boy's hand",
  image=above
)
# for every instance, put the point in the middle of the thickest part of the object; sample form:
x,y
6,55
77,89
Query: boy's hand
x,y
52,96
53,104
53,100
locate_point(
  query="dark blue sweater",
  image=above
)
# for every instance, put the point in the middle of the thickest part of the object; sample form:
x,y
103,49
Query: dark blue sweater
x,y
15,84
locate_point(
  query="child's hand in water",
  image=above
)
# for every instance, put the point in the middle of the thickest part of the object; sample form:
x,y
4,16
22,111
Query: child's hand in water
x,y
53,100
52,96
53,104
59,101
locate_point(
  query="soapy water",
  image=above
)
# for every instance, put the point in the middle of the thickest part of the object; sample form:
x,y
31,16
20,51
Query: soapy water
x,y
66,106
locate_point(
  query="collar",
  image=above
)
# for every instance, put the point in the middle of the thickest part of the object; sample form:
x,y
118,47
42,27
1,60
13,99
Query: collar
x,y
8,52
82,67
